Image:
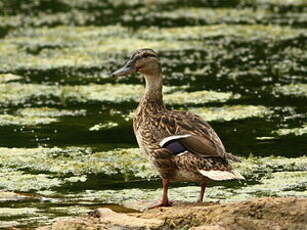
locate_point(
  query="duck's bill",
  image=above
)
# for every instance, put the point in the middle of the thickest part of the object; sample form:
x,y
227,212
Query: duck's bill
x,y
125,70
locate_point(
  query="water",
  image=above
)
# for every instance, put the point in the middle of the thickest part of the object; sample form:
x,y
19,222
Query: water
x,y
66,139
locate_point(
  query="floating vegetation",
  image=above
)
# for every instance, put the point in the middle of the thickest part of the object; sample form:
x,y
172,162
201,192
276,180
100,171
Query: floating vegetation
x,y
224,113
16,94
114,93
6,119
36,116
91,54
49,112
296,131
213,31
4,78
77,161
23,182
126,162
103,126
12,94
228,113
258,167
75,179
282,3
70,210
298,90
198,97
279,184
265,138
17,211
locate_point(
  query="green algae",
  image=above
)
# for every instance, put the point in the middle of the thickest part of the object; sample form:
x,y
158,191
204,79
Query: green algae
x,y
257,167
115,93
17,94
43,48
283,2
4,78
279,184
224,113
70,36
297,90
17,211
296,131
100,13
103,126
228,113
49,112
126,162
12,94
36,54
75,179
36,116
213,31
19,181
286,181
70,210
198,97
7,224
276,184
6,119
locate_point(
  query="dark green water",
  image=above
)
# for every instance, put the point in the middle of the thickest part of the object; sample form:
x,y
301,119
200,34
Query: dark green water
x,y
66,138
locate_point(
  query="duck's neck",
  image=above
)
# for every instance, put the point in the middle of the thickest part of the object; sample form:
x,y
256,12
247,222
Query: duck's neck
x,y
153,90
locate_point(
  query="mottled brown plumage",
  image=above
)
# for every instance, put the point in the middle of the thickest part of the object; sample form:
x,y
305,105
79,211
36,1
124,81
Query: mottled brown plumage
x,y
181,145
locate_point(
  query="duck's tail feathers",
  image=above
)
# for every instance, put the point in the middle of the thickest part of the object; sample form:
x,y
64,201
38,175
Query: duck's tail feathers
x,y
221,175
230,156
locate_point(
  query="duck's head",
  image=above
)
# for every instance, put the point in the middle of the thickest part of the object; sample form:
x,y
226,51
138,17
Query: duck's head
x,y
145,61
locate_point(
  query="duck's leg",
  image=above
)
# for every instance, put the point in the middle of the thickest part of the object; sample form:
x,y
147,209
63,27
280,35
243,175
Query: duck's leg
x,y
164,202
202,192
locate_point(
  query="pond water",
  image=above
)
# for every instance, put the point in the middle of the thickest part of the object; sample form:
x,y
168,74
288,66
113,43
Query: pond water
x,y
66,139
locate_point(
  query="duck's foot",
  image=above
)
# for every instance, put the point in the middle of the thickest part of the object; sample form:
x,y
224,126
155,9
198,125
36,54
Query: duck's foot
x,y
160,203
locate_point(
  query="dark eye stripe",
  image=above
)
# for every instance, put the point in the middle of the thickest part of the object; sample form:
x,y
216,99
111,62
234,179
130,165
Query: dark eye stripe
x,y
144,56
143,53
148,55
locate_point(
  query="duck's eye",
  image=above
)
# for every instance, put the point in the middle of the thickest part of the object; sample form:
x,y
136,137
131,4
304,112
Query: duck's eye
x,y
138,68
148,55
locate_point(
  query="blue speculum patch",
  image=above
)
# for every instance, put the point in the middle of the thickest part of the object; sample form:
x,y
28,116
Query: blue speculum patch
x,y
175,147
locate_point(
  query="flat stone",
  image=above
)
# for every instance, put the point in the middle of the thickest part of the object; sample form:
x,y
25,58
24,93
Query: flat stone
x,y
259,214
108,216
208,227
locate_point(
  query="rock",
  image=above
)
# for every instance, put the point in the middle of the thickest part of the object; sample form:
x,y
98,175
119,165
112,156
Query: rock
x,y
143,205
258,214
208,227
111,218
80,223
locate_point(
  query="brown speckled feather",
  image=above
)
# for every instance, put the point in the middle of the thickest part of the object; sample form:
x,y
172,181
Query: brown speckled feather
x,y
153,122
202,154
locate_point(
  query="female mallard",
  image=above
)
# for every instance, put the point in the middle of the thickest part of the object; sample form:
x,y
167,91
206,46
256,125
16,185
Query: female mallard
x,y
181,145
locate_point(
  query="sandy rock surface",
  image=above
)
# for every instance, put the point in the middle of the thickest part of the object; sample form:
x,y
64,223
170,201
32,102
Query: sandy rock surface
x,y
263,213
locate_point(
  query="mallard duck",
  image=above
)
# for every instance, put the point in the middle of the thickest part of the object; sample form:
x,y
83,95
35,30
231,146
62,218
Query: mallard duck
x,y
180,144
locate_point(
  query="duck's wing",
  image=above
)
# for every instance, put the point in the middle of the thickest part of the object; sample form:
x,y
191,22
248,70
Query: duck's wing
x,y
191,133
